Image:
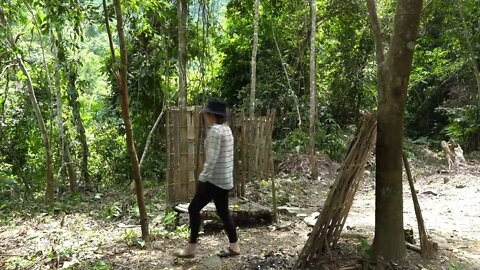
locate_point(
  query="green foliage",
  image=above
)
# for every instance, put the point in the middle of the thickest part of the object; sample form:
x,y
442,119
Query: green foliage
x,y
442,80
99,265
131,239
112,211
332,139
14,263
264,183
295,141
170,219
364,249
170,228
182,231
455,266
464,126
442,89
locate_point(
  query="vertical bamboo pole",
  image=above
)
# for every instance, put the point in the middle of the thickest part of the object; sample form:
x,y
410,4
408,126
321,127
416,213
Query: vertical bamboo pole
x,y
169,170
191,152
243,145
183,172
426,250
198,142
271,170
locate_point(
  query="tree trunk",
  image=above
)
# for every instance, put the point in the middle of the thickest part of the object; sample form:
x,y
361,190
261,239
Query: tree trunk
x,y
109,32
66,156
284,66
393,78
49,196
4,103
377,33
49,192
77,119
10,150
253,63
313,88
472,56
122,83
182,13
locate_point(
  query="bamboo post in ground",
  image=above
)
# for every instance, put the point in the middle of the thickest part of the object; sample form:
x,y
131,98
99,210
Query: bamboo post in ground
x,y
274,191
426,249
169,171
269,122
243,150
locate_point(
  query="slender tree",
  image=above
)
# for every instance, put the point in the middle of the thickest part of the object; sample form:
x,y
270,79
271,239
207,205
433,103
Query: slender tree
x,y
78,121
49,192
65,156
182,13
70,72
253,64
284,66
64,148
72,91
313,88
122,84
392,78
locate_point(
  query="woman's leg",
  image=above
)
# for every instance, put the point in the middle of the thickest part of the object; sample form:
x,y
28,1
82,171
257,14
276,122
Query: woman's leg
x,y
220,198
202,197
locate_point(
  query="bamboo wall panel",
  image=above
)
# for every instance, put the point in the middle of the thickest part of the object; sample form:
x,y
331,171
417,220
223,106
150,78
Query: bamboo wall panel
x,y
186,132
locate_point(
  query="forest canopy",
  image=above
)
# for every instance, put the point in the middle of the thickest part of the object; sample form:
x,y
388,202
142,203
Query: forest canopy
x,y
65,50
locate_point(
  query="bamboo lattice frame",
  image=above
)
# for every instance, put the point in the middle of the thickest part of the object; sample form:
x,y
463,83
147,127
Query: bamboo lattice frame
x,y
329,225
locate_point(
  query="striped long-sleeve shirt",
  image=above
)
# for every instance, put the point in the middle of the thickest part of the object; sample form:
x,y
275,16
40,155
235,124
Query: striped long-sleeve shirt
x,y
218,165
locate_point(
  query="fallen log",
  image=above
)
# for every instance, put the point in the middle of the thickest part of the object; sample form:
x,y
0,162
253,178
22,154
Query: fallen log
x,y
413,247
244,213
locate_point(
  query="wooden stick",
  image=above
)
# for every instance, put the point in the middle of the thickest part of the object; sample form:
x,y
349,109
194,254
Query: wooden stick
x,y
413,247
271,165
424,243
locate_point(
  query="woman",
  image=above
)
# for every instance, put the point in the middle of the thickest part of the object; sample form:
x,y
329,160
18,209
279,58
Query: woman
x,y
215,180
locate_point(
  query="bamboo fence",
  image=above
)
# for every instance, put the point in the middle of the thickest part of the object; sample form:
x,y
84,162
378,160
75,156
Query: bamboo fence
x,y
185,135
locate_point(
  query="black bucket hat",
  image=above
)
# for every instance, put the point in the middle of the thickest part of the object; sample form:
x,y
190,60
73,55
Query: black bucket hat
x,y
216,106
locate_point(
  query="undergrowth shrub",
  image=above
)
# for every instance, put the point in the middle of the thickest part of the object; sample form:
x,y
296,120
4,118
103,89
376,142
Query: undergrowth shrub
x,y
464,127
332,140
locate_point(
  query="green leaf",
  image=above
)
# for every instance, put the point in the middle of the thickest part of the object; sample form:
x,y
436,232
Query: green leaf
x,y
21,76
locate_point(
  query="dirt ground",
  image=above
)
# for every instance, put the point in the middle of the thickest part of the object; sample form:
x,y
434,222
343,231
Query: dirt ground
x,y
81,237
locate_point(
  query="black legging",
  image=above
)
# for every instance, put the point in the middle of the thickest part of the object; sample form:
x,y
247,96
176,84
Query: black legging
x,y
205,193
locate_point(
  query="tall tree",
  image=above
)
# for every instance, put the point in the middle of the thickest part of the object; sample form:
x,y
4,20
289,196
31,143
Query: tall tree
x,y
66,157
122,84
392,81
182,13
72,91
313,88
253,64
70,71
64,147
49,192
